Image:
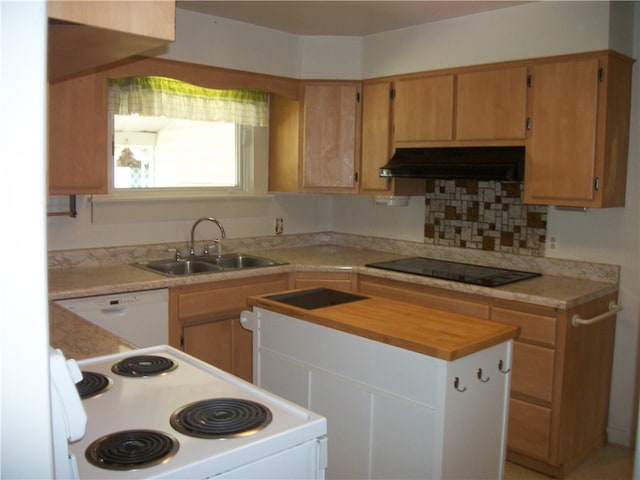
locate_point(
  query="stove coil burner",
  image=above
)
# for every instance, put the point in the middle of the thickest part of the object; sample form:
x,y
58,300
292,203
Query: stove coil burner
x,y
144,366
221,418
93,384
131,450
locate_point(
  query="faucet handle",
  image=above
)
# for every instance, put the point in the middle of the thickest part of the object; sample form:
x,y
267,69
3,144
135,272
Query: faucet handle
x,y
217,243
175,251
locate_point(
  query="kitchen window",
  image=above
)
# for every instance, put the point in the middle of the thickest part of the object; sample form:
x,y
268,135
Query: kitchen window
x,y
172,138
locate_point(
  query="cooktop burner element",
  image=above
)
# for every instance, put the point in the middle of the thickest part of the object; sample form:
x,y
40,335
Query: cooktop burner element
x,y
144,366
93,384
132,449
221,418
458,272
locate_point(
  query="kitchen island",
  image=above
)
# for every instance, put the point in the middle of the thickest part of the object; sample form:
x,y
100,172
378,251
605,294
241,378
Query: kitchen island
x,y
408,391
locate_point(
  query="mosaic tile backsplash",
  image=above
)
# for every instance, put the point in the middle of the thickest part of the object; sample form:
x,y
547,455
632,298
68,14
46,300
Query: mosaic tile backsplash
x,y
483,215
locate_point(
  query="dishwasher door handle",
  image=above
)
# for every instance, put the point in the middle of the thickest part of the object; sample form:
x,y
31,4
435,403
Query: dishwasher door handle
x,y
121,310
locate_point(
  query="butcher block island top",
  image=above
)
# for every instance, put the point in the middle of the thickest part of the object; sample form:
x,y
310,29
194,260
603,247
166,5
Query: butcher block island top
x,y
437,333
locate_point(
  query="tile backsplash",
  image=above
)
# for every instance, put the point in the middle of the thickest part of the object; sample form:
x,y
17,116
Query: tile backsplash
x,y
483,215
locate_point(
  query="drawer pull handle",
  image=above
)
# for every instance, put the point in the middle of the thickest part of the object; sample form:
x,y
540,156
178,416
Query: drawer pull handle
x,y
613,309
456,385
483,380
500,365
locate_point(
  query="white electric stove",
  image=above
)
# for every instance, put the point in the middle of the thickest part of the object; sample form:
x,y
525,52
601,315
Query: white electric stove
x,y
159,413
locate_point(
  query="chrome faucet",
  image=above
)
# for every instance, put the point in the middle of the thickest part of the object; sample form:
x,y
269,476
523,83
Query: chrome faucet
x,y
192,250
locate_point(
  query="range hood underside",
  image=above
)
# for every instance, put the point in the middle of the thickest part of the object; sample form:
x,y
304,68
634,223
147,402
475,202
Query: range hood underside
x,y
468,163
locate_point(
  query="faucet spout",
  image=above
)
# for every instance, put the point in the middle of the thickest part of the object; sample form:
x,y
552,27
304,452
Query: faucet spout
x,y
192,250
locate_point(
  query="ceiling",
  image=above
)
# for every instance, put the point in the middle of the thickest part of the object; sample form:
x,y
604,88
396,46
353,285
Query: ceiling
x,y
350,18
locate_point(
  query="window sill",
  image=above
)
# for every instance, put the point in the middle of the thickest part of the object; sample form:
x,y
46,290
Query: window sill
x,y
126,209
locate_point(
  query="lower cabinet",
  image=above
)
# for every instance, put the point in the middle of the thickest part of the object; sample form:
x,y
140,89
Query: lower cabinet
x,y
561,378
204,320
391,412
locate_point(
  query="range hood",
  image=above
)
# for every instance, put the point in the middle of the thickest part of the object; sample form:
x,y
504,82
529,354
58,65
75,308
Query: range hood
x,y
468,163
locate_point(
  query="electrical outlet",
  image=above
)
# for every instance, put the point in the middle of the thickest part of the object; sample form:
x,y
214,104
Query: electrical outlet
x,y
552,243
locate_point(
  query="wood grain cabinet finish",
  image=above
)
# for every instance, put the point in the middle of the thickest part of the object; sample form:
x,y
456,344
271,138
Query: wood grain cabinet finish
x,y
88,34
577,154
78,136
561,375
423,109
204,320
491,104
331,119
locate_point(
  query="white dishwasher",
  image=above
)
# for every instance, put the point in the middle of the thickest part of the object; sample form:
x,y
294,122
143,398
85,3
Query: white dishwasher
x,y
141,318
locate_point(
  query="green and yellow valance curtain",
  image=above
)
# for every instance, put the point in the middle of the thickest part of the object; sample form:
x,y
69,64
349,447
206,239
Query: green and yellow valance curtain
x,y
166,97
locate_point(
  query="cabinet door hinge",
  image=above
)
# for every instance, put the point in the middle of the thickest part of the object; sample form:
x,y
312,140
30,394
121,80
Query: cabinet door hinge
x,y
601,74
529,81
355,177
182,341
596,184
528,123
392,93
358,97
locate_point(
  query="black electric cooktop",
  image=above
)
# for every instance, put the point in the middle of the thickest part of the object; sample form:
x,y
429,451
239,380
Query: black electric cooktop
x,y
457,272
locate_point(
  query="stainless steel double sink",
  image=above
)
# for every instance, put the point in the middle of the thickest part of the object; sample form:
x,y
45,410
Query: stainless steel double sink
x,y
207,264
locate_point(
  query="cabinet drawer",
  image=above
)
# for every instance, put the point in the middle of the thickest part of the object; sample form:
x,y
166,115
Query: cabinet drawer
x,y
534,327
532,371
529,429
215,302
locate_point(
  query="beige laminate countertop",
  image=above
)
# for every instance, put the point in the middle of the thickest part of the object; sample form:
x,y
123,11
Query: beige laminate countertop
x,y
436,333
79,338
548,290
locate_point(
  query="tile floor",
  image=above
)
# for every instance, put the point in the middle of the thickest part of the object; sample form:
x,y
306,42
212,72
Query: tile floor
x,y
612,462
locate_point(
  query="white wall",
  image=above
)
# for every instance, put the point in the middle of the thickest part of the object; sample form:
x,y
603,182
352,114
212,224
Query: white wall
x,y
25,419
529,30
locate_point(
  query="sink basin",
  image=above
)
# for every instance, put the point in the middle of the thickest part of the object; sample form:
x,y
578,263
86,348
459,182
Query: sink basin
x,y
239,260
182,267
207,264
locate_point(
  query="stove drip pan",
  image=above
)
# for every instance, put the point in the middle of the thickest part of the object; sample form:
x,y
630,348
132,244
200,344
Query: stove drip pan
x,y
132,449
93,384
221,418
144,366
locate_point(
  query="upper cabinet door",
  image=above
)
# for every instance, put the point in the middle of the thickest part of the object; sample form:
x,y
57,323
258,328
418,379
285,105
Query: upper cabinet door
x,y
492,104
331,137
423,109
78,136
577,155
376,136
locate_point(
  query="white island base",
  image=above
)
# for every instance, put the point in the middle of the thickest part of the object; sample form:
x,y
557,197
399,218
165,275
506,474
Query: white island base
x,y
392,413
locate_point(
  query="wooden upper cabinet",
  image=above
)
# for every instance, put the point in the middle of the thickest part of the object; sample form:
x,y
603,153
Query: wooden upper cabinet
x,y
331,120
491,104
284,145
377,144
78,136
577,154
376,136
423,109
87,34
